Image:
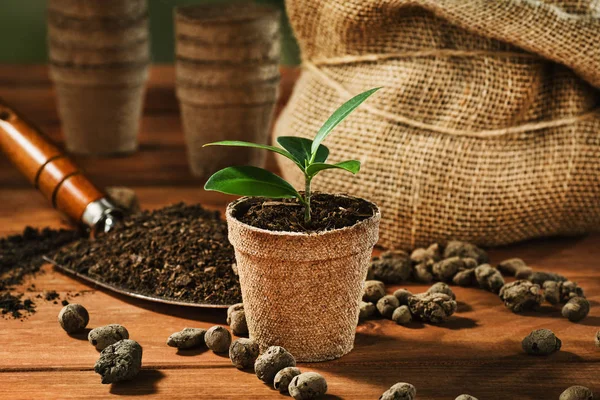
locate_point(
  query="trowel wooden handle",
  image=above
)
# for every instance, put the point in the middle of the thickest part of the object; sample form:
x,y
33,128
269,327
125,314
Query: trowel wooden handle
x,y
44,165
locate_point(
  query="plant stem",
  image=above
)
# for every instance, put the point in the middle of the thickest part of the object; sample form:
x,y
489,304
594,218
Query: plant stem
x,y
307,180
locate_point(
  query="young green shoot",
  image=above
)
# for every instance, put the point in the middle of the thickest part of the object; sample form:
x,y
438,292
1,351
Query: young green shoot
x,y
308,155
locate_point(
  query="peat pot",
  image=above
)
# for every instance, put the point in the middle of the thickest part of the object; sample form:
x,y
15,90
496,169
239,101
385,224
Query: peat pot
x,y
301,290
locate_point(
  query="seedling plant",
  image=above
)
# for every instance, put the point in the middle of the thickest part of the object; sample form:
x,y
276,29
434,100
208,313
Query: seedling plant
x,y
308,155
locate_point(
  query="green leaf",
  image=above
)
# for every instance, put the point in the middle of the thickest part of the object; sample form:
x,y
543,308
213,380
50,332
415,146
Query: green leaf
x,y
239,143
338,116
300,149
350,166
250,181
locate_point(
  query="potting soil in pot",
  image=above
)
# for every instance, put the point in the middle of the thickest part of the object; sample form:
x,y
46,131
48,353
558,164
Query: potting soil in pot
x,y
179,252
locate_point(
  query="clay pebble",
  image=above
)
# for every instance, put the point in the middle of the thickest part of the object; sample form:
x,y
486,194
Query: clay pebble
x,y
577,393
556,292
187,338
400,391
402,315
597,339
434,308
218,339
524,273
366,310
465,278
433,252
307,386
272,361
392,267
489,278
460,249
446,269
511,266
284,378
121,361
403,295
104,336
232,309
522,295
73,318
243,353
238,324
373,291
576,309
541,342
441,287
386,305
466,397
422,272
539,277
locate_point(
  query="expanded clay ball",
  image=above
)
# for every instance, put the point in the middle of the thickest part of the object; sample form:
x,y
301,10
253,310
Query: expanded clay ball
x,y
73,318
187,338
121,361
460,249
366,310
400,391
560,292
577,393
441,287
465,278
373,291
386,305
576,309
243,353
402,315
470,263
104,336
524,273
511,266
422,272
307,386
403,295
391,267
489,278
521,295
433,252
466,397
540,277
446,269
284,378
218,339
541,342
237,323
597,339
232,309
435,307
272,361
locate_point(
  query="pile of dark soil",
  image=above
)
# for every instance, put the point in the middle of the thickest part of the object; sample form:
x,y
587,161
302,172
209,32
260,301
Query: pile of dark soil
x,y
21,256
180,252
328,212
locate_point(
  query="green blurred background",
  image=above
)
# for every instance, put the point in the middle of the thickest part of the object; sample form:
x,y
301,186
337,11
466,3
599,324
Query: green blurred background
x,y
23,30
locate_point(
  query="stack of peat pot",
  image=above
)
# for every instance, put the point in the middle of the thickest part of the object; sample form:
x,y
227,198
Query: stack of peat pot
x,y
99,57
227,72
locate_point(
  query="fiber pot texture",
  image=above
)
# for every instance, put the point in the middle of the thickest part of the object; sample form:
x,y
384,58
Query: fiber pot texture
x,y
302,291
486,127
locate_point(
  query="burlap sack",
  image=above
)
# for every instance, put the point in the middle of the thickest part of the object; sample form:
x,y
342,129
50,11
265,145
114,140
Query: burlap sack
x,y
302,291
486,128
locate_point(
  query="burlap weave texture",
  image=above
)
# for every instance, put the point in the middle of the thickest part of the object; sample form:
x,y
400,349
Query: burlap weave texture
x,y
486,128
302,291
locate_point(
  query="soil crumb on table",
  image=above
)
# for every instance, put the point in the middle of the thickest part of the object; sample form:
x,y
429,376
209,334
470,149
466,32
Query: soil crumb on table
x,y
328,212
21,257
180,252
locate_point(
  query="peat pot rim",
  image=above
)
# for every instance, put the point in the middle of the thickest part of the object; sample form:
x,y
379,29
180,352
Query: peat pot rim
x,y
237,12
376,216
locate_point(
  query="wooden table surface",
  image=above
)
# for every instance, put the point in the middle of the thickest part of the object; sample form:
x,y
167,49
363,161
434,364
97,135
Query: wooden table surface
x,y
477,352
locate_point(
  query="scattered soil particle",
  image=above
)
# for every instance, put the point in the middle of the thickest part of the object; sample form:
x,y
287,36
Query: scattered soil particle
x,y
328,212
179,252
21,257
